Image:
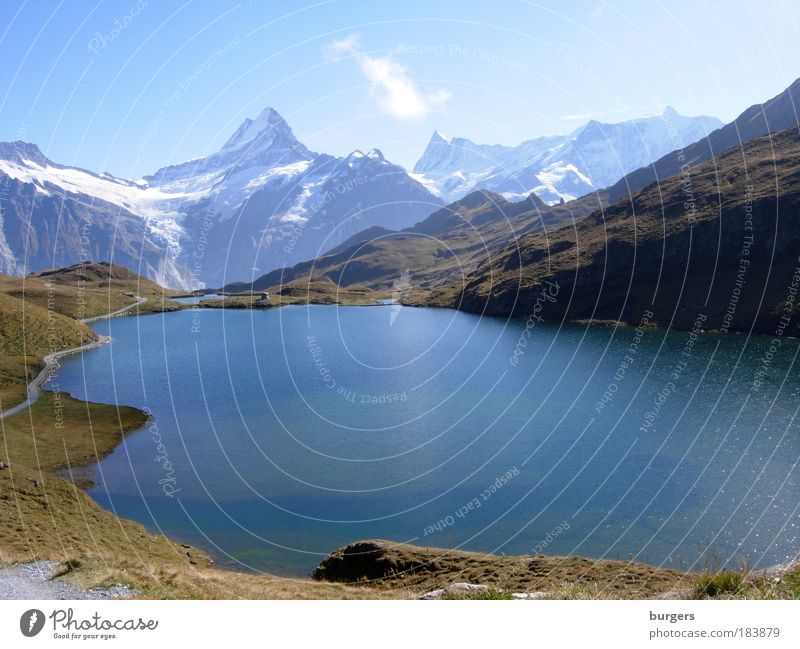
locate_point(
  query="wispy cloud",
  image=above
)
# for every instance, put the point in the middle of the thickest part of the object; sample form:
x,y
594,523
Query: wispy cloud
x,y
602,113
598,10
392,85
347,45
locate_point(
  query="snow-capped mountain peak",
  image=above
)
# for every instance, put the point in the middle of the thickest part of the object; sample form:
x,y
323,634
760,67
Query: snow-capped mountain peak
x,y
268,123
357,156
21,152
438,136
254,148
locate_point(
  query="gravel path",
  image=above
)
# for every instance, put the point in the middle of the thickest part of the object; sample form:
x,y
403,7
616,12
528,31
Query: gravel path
x,y
35,581
114,314
51,360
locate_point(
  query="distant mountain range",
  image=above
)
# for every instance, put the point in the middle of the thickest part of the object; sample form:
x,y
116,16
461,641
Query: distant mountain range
x,y
261,201
265,201
673,247
560,167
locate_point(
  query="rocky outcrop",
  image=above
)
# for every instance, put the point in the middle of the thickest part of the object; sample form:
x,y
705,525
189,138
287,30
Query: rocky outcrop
x,y
424,569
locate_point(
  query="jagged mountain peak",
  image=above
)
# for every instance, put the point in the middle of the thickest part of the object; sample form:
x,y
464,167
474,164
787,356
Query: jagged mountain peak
x,y
22,152
266,141
269,122
445,153
359,155
438,136
591,125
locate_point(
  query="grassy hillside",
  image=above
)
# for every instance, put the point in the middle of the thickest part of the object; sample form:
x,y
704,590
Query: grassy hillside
x,y
758,120
39,315
28,332
31,329
85,290
438,251
320,290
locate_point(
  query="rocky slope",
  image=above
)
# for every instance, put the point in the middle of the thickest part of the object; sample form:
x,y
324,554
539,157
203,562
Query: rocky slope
x,y
53,215
714,250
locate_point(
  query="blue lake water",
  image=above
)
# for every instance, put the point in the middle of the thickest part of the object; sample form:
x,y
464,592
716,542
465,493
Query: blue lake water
x,y
280,435
194,299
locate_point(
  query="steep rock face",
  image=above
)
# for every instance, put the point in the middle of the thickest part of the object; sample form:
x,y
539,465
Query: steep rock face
x,y
723,249
556,167
54,216
262,201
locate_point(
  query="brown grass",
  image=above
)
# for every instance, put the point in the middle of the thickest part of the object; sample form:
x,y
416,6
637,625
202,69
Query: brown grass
x,y
59,431
28,332
318,291
424,569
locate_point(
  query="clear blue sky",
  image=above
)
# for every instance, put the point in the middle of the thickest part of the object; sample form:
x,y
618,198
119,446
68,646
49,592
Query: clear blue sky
x,y
179,77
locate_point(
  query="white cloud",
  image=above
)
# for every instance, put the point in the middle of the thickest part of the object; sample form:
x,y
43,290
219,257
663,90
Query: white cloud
x,y
348,44
392,85
396,91
601,113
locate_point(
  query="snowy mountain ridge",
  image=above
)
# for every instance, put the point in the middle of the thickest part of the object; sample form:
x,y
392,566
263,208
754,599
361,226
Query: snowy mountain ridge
x,y
560,167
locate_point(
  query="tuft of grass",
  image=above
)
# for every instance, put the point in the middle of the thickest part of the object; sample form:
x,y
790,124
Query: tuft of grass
x,y
772,586
791,582
67,567
574,590
724,582
488,593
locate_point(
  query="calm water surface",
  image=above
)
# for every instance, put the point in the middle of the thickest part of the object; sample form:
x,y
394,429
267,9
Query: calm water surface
x,y
194,299
282,434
